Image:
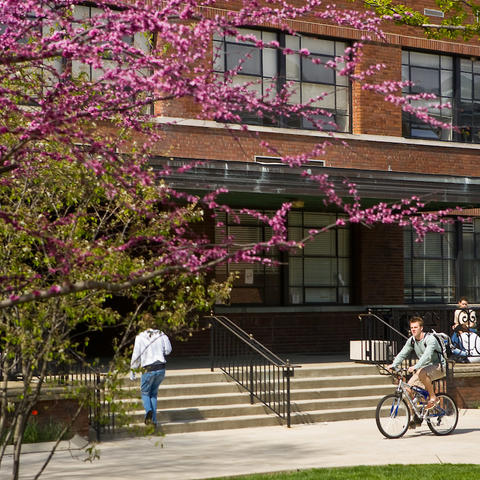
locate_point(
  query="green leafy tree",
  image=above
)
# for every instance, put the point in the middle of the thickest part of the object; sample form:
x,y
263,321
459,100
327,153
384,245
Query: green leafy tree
x,y
461,18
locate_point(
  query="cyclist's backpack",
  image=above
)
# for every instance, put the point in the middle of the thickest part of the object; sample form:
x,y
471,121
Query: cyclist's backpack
x,y
444,343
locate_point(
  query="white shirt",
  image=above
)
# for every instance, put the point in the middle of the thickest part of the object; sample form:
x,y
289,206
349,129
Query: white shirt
x,y
471,343
150,346
465,316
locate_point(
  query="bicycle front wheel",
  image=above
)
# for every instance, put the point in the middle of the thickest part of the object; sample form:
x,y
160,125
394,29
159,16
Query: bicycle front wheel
x,y
392,416
443,418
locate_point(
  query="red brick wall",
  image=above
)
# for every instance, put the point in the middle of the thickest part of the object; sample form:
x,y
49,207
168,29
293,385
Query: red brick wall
x,y
203,143
466,391
378,265
387,118
290,332
62,411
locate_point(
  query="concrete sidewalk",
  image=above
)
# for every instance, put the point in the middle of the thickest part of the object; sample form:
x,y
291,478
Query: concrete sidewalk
x,y
201,455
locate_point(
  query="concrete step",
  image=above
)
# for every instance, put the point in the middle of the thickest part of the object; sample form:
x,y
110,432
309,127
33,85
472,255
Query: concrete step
x,y
335,370
222,411
318,382
339,381
243,398
337,403
333,415
202,425
191,389
188,401
201,413
173,377
249,421
352,391
199,401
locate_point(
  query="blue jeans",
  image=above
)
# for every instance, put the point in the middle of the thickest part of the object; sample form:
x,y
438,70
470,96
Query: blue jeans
x,y
459,353
149,388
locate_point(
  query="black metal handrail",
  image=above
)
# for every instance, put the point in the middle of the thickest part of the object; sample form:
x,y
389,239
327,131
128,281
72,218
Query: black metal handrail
x,y
436,317
256,368
383,339
76,372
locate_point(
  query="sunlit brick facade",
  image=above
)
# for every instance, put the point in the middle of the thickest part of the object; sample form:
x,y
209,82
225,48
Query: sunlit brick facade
x,y
311,299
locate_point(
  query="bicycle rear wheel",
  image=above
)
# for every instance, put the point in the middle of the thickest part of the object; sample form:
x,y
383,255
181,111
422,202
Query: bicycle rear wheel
x,y
392,416
443,418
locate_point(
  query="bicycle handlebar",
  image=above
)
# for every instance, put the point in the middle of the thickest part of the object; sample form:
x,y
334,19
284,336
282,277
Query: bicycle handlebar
x,y
399,372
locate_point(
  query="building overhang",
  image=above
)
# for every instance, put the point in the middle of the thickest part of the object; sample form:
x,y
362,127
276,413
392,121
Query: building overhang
x,y
260,185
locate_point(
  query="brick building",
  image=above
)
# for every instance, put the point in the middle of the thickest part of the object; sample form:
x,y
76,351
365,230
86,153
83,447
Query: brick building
x,y
310,302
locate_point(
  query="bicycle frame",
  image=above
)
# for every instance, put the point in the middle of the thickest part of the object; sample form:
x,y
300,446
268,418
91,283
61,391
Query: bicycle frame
x,y
403,391
406,408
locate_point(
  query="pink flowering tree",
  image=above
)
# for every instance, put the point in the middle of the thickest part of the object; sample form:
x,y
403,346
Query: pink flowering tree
x,y
81,88
83,215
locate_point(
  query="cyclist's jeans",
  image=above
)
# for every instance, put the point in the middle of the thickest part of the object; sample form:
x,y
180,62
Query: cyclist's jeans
x,y
434,372
149,389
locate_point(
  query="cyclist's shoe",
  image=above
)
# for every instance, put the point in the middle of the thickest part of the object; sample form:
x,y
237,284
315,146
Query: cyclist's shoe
x,y
416,422
432,404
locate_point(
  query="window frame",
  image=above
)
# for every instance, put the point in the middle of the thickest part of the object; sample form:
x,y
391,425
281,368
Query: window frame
x,y
220,45
465,134
283,284
412,259
256,270
342,293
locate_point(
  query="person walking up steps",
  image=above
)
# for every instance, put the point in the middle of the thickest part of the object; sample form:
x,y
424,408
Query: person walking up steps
x,y
149,352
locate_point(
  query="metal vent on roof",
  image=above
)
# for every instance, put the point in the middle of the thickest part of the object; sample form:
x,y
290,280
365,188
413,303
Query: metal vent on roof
x,y
268,160
430,12
468,227
278,161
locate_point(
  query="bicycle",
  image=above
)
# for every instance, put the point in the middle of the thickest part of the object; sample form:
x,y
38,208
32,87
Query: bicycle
x,y
394,411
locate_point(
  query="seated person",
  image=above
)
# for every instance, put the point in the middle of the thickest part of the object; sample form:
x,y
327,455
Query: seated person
x,y
458,349
464,315
471,343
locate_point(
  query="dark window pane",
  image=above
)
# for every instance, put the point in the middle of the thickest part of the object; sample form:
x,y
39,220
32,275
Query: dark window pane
x,y
427,278
312,72
425,80
466,85
476,87
247,56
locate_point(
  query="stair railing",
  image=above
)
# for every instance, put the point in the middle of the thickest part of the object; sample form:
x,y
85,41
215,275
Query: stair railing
x,y
79,373
257,369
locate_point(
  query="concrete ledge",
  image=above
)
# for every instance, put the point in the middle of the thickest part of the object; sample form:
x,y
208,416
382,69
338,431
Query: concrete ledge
x,y
75,443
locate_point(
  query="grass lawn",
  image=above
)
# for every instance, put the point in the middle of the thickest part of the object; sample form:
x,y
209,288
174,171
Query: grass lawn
x,y
383,472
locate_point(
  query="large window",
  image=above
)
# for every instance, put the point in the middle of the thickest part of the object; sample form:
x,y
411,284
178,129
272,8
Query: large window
x,y
429,267
320,272
471,254
84,13
255,283
267,70
469,102
316,274
453,80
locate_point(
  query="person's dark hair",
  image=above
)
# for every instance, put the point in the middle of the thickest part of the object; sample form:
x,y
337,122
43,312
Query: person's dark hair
x,y
418,320
459,328
463,299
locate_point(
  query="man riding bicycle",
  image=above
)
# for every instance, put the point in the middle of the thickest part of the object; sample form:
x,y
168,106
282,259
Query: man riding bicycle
x,y
430,365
